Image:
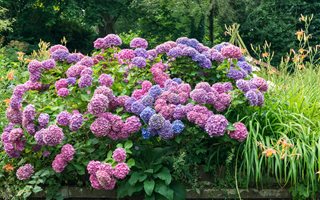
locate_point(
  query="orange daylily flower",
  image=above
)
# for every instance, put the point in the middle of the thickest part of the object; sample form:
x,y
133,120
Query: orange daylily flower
x,y
265,54
299,34
7,101
10,75
269,152
8,168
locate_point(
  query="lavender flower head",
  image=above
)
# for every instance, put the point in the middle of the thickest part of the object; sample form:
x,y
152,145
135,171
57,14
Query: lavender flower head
x,y
139,43
76,122
166,132
140,52
98,104
255,97
137,107
105,80
43,119
60,55
139,62
112,40
146,114
216,125
100,127
53,135
48,64
67,151
85,81
156,121
63,118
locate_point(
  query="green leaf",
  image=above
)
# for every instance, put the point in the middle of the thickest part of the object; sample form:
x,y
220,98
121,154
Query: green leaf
x,y
150,171
148,186
131,162
37,189
164,175
80,169
134,178
119,145
164,190
128,144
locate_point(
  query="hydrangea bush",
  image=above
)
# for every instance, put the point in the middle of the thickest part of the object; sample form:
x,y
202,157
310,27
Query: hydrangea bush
x,y
75,104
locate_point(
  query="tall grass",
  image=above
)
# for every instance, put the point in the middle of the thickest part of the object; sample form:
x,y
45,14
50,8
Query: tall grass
x,y
284,138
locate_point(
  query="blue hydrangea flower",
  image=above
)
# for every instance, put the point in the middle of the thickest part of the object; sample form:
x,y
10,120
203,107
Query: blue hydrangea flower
x,y
177,80
137,107
146,114
140,52
155,91
156,121
147,100
145,133
177,127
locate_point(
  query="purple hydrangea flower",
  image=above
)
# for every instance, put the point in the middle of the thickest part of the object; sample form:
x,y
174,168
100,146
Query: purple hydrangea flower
x,y
61,83
146,114
48,64
71,80
199,96
155,91
216,125
25,172
140,52
112,40
166,132
119,155
63,118
60,55
139,62
255,97
98,104
86,61
43,119
57,47
38,136
244,85
67,152
137,107
245,66
85,81
175,52
53,135
63,92
240,133
86,71
156,121
259,83
147,100
105,80
231,51
76,122
121,170
59,163
237,74
139,43
100,127
74,57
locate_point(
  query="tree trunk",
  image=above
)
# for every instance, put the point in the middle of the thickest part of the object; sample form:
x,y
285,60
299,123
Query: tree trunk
x,y
107,26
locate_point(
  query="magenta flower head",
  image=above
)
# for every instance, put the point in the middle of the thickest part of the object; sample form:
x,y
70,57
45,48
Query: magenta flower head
x,y
112,40
53,135
63,118
231,51
121,170
139,43
99,43
59,163
86,61
216,125
240,133
15,134
61,83
86,71
25,172
57,47
76,122
259,83
63,92
14,115
98,104
105,80
100,127
67,151
119,155
38,136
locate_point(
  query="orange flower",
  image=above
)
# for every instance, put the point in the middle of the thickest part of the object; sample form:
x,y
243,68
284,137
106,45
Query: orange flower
x,y
265,54
10,75
299,34
7,101
269,152
8,168
20,55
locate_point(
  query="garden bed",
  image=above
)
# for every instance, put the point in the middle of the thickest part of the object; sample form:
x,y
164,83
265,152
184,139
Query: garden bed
x,y
213,193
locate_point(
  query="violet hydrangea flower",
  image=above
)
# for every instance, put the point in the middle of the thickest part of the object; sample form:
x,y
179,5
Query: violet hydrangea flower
x,y
25,172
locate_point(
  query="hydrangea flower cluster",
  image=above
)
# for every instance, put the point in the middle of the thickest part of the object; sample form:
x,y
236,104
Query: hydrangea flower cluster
x,y
61,160
51,136
215,95
104,175
113,127
110,40
28,116
253,90
25,172
13,141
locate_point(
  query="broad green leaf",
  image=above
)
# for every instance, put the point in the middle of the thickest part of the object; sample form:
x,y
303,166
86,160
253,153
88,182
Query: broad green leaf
x,y
148,186
164,174
164,190
128,144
